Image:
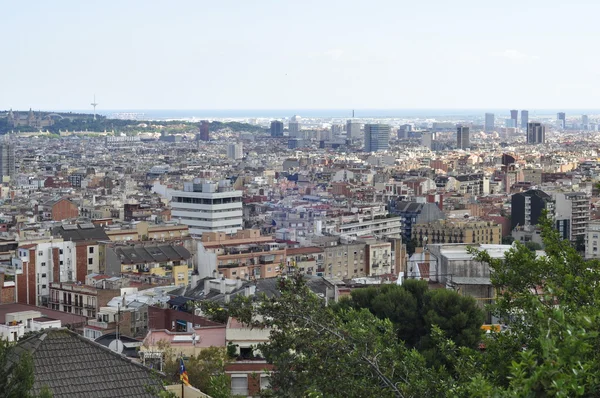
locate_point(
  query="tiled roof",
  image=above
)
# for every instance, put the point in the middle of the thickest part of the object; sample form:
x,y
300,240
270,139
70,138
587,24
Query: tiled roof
x,y
73,366
76,233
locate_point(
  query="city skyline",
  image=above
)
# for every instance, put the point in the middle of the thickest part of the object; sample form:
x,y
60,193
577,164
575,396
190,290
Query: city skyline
x,y
237,55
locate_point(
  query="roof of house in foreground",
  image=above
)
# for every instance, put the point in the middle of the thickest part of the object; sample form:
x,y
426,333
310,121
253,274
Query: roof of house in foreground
x,y
73,366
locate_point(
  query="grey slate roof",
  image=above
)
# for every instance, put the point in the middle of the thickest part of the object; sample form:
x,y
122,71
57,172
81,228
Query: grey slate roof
x,y
81,234
151,254
73,366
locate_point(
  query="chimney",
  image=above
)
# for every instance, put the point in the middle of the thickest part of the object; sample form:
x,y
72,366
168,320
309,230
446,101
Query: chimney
x,y
222,286
251,290
227,298
206,287
238,283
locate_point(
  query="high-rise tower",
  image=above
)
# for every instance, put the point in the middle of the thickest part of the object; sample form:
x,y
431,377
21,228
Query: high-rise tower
x,y
377,137
489,122
462,137
524,119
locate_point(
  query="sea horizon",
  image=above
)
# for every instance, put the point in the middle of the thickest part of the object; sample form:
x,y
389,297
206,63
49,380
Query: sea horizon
x,y
162,114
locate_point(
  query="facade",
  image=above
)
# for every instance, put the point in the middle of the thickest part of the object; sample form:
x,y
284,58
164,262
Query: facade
x,y
377,137
536,133
524,119
42,264
381,227
380,259
527,207
208,207
341,258
294,127
204,130
74,298
7,161
514,116
427,139
276,128
489,122
412,213
58,210
462,137
235,151
352,129
245,255
592,240
572,213
561,120
449,231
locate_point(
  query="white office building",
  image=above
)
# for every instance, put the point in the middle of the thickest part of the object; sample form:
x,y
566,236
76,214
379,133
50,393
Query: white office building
x,y
207,206
235,151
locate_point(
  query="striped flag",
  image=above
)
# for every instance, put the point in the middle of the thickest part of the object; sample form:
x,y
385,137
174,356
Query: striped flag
x,y
183,376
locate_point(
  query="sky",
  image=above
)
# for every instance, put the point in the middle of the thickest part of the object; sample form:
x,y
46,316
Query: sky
x,y
309,54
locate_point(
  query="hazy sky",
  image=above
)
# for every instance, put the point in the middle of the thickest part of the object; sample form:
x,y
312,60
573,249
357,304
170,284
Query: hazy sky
x,y
252,54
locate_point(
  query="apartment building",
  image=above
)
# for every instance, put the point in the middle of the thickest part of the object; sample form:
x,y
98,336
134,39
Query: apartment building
x,y
208,207
137,231
246,255
357,226
342,258
592,240
571,214
457,231
42,264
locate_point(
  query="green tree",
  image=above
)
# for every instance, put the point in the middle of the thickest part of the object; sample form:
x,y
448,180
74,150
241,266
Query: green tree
x,y
411,246
533,246
16,372
508,240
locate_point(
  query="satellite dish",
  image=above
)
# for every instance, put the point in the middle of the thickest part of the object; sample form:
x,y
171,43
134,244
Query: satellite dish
x,y
116,346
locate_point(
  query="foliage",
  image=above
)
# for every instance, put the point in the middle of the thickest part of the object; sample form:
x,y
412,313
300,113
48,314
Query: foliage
x,y
533,246
411,246
414,310
508,240
201,368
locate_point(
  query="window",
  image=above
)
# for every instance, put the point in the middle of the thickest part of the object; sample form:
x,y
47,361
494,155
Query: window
x,y
60,251
60,262
90,261
265,382
43,264
44,286
91,250
239,385
43,275
40,253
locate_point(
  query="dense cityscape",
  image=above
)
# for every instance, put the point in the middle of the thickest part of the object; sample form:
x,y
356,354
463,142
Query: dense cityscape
x,y
142,237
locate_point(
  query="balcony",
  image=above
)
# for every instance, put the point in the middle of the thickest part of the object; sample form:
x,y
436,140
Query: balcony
x,y
98,324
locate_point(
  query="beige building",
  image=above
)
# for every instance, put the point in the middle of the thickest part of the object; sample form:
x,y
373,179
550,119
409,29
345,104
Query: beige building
x,y
342,259
380,259
246,255
144,231
450,231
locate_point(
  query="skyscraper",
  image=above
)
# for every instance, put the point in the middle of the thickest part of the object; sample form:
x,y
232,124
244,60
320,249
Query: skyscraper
x,y
352,129
462,137
204,130
489,122
276,128
427,139
514,115
536,133
294,126
377,137
235,151
7,160
524,119
404,131
561,120
585,122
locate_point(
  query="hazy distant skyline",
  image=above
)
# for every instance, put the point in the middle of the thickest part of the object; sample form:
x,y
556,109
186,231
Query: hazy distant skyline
x,y
299,55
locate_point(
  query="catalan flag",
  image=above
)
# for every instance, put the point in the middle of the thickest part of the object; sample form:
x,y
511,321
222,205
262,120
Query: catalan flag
x,y
183,376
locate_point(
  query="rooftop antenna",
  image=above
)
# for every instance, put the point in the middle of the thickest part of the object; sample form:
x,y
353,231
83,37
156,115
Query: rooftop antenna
x,y
352,113
94,104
